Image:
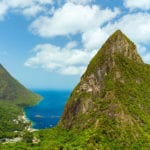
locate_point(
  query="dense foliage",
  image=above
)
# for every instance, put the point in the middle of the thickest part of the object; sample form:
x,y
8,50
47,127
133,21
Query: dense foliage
x,y
13,98
117,117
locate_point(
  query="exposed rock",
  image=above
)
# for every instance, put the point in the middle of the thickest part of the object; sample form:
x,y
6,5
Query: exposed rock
x,y
101,101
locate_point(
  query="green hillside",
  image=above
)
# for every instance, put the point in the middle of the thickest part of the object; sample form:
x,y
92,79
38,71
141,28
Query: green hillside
x,y
110,107
13,98
12,90
113,97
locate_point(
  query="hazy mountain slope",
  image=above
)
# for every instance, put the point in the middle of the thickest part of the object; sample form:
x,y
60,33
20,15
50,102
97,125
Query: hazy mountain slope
x,y
13,97
110,107
12,90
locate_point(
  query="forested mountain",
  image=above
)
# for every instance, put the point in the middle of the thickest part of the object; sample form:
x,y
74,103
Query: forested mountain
x,y
110,107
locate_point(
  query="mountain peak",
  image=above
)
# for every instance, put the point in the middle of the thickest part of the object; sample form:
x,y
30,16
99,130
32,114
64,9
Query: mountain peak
x,y
118,42
113,65
112,97
117,32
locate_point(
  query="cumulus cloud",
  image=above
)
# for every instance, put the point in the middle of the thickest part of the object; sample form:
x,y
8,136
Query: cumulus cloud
x,y
25,3
80,1
137,4
26,7
141,49
136,26
3,10
146,57
71,45
93,39
32,11
61,60
91,22
72,19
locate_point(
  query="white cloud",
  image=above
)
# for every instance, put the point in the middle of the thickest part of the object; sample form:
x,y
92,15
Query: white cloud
x,y
32,11
93,39
44,1
3,10
144,53
80,1
61,60
71,45
72,70
72,19
26,7
141,49
136,26
140,4
18,3
146,57
25,3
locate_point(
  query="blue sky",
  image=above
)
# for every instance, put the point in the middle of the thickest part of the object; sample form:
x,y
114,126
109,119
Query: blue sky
x,y
48,43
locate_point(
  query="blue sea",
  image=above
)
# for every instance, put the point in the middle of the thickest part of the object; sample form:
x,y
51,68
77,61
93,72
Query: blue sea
x,y
48,111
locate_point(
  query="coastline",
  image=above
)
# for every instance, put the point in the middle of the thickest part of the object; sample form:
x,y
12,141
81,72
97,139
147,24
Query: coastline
x,y
38,101
27,120
37,118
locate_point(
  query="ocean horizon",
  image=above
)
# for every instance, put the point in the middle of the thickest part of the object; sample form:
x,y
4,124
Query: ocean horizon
x,y
47,112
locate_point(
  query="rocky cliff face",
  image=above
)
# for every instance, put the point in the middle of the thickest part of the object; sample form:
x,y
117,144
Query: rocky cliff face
x,y
104,61
111,93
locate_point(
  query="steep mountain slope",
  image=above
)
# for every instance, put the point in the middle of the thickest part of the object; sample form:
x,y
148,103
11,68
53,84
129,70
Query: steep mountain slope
x,y
109,109
113,97
12,90
13,97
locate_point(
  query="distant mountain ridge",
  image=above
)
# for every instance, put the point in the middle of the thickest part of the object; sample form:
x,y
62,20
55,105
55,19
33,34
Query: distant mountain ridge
x,y
13,98
12,90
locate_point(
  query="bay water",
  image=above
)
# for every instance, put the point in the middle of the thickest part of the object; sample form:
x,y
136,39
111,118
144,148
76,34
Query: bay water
x,y
48,111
